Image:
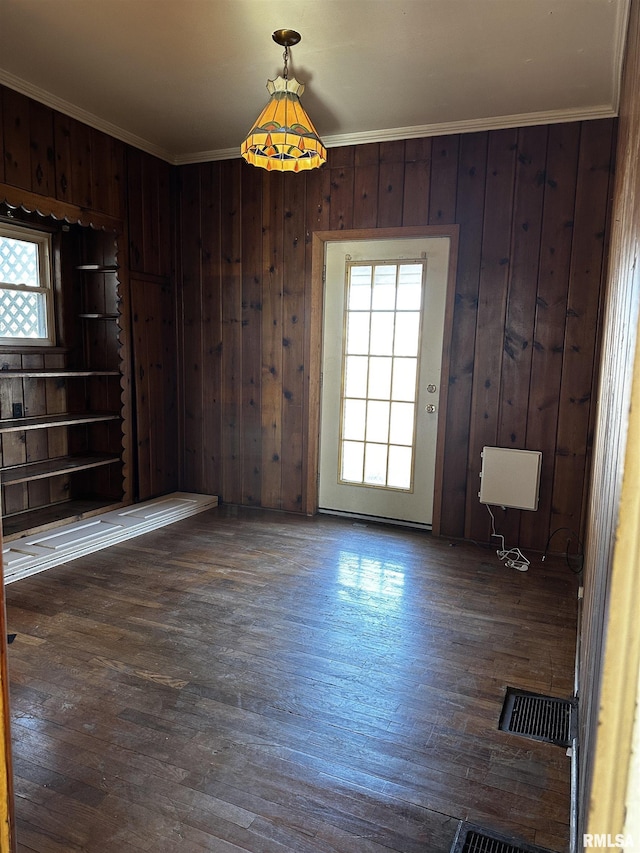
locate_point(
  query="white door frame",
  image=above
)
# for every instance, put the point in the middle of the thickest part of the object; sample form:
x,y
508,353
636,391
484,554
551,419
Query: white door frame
x,y
314,319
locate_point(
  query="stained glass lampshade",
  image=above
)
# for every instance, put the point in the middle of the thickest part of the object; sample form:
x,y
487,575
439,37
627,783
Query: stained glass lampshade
x,y
283,138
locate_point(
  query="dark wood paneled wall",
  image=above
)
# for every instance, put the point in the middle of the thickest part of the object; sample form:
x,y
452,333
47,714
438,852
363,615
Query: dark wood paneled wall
x,y
532,207
153,322
47,155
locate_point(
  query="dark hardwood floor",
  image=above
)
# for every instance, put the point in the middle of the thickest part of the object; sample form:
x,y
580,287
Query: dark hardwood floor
x,y
253,681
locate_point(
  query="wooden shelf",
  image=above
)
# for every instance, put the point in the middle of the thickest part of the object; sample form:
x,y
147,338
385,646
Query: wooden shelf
x,y
75,395
46,421
97,267
54,373
99,316
53,468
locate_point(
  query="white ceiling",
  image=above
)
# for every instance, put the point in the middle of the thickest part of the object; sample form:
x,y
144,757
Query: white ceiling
x,y
185,79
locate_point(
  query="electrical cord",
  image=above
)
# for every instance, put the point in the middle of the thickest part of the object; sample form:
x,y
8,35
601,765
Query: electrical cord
x,y
578,557
513,558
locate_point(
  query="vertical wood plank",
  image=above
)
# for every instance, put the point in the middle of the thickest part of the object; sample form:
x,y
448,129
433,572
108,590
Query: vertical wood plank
x,y
164,213
252,335
107,174
43,176
62,142
142,321
521,300
444,171
231,281
342,189
574,440
318,191
272,208
153,237
153,336
365,186
492,300
191,302
470,204
80,139
212,342
391,185
137,209
417,182
523,276
17,159
550,316
293,256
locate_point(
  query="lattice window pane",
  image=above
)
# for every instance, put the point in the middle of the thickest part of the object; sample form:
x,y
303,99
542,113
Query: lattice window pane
x,y
22,315
19,262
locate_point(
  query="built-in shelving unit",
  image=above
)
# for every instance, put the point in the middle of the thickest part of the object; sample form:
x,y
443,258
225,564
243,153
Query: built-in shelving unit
x,y
62,408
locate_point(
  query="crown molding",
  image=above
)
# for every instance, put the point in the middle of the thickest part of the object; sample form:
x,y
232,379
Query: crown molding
x,y
443,129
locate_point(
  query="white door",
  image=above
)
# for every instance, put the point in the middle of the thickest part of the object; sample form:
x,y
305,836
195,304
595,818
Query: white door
x,y
384,308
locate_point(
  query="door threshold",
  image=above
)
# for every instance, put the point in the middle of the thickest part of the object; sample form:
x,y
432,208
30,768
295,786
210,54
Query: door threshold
x,y
375,519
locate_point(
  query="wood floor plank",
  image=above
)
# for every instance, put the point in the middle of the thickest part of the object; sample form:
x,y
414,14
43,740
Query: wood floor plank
x,y
255,681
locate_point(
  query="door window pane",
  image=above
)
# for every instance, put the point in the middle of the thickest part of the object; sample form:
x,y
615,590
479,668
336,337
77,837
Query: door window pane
x,y
380,378
384,288
352,461
401,426
378,421
404,378
355,415
407,333
382,327
358,333
356,376
409,287
360,289
375,464
399,475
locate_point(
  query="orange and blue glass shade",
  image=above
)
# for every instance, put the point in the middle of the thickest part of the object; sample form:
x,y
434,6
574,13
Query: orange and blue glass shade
x,y
283,138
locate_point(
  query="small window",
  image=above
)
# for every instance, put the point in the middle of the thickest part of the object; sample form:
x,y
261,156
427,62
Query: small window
x,y
26,299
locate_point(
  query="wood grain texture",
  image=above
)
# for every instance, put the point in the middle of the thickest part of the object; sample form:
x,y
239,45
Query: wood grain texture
x,y
155,379
309,685
608,704
531,203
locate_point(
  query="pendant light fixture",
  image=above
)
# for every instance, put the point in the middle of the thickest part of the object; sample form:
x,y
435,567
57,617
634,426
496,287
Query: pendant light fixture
x,y
283,138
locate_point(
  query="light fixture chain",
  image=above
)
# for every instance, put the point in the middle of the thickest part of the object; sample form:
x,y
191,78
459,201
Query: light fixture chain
x,y
285,56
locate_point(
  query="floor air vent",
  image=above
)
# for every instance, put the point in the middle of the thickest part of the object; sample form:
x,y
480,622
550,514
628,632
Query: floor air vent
x,y
474,839
539,717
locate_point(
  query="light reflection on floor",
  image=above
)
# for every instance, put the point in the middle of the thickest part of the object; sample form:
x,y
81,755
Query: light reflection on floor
x,y
382,581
